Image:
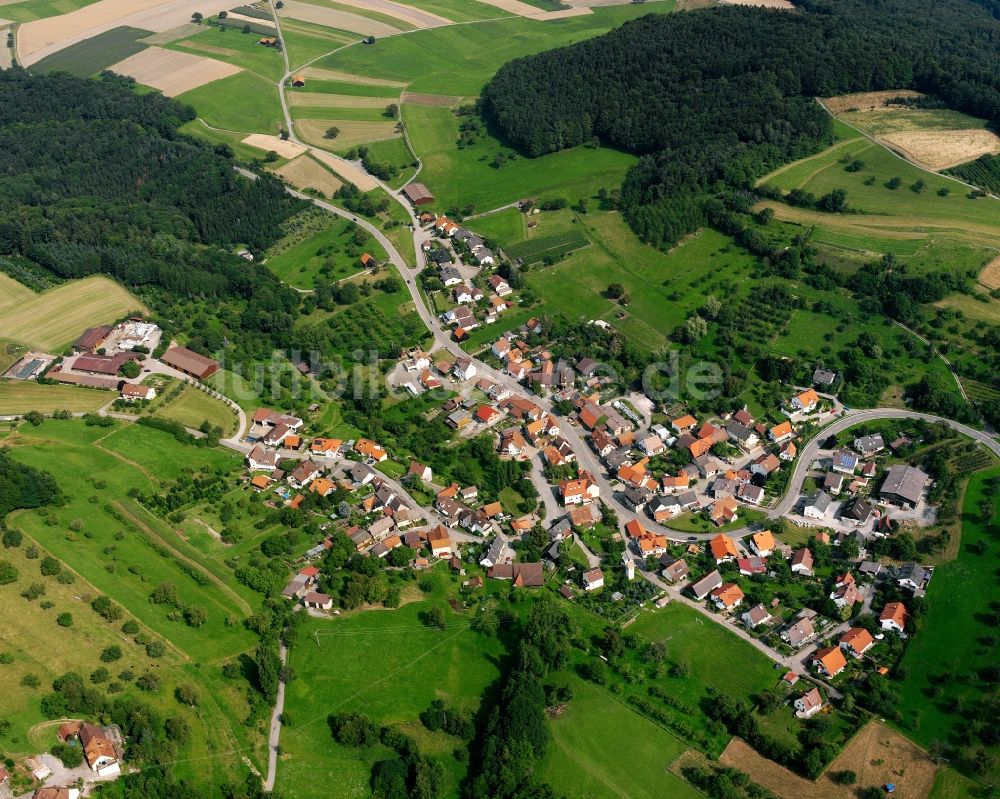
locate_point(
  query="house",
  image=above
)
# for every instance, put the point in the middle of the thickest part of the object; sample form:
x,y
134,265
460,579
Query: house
x,y
727,596
593,579
635,498
132,392
833,482
829,661
458,419
904,485
322,486
824,378
317,600
703,587
303,474
806,401
756,616
652,445
765,465
845,593
483,255
869,469
869,445
858,512
464,369
361,474
369,450
751,566
912,577
856,641
584,517
762,543
845,461
684,423
260,459
664,508
51,792
587,367
750,494
439,542
802,562
744,437
817,505
523,575
787,451
418,194
420,472
894,617
799,632
723,548
676,571
512,442
781,432
190,363
500,348
326,447
500,286
723,511
429,381
498,552
809,704
580,491
98,750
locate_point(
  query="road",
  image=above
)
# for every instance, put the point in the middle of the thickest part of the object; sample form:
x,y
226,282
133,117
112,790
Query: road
x,y
275,734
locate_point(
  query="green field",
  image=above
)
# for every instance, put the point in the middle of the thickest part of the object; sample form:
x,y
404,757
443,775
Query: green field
x,y
602,748
387,664
30,10
234,47
953,641
22,396
193,407
92,55
242,102
506,227
54,318
536,250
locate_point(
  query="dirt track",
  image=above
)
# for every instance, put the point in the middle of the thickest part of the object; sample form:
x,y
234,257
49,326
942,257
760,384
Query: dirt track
x,y
172,72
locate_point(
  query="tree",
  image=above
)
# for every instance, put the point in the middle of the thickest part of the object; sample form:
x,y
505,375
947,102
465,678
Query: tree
x,y
111,653
50,566
332,132
8,572
34,418
223,14
156,649
616,291
70,756
187,694
392,110
434,617
195,616
65,619
12,539
197,17
695,329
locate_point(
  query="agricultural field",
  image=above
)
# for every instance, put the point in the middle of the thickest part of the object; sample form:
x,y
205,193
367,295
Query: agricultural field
x,y
53,319
90,56
117,548
305,172
173,72
194,407
236,48
952,642
243,102
23,396
30,10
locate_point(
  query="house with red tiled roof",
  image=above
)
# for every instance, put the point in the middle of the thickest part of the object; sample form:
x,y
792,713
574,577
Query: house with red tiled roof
x,y
829,661
894,617
856,641
723,548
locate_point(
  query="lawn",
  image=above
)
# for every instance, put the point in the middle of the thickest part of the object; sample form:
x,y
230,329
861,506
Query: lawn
x,y
92,55
602,748
51,320
387,664
21,396
952,640
242,102
462,177
193,407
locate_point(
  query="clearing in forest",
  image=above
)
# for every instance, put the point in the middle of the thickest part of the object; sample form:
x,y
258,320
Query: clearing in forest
x,y
173,72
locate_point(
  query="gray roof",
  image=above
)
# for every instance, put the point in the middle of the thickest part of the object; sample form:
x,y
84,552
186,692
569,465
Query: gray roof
x,y
866,445
739,431
913,572
904,481
823,377
820,500
858,509
706,584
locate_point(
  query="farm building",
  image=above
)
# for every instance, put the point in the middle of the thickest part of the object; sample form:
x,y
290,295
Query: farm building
x,y
91,338
102,364
190,363
418,194
298,80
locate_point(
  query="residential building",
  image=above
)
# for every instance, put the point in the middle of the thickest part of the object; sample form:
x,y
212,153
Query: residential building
x,y
756,616
593,579
904,485
869,445
894,617
723,548
582,490
802,562
727,596
781,432
799,632
817,506
856,641
723,511
845,461
703,587
676,570
762,544
807,401
829,661
912,577
824,378
858,512
809,704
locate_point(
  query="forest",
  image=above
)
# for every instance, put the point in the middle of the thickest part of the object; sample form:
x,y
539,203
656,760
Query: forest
x,y
713,99
98,180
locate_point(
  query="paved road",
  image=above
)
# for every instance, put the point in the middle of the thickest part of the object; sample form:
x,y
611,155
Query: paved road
x,y
275,734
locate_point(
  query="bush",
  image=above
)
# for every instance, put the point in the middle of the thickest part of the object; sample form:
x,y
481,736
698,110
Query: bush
x,y
103,606
71,756
65,619
12,539
156,649
187,695
111,654
99,675
8,572
131,627
353,729
148,682
50,567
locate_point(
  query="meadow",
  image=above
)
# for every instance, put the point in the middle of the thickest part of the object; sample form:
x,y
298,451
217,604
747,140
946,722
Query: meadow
x,y
243,102
53,319
23,396
30,10
953,640
193,407
234,47
92,55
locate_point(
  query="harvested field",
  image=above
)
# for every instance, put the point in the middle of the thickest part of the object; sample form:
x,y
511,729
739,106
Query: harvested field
x,y
174,34
317,100
352,132
43,37
52,319
416,17
865,101
22,396
445,100
877,754
13,293
306,173
579,11
345,169
172,72
941,149
264,23
515,7
286,149
785,5
332,18
194,44
990,276
318,73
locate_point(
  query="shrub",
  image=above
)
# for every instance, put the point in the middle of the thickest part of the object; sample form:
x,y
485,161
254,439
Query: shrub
x,y
8,572
50,566
131,627
156,649
65,619
111,654
12,539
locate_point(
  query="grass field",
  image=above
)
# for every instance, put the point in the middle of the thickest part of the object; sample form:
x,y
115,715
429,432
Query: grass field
x,y
234,47
54,318
589,741
507,227
387,664
22,396
243,102
536,250
951,642
90,56
13,293
194,406
352,132
30,10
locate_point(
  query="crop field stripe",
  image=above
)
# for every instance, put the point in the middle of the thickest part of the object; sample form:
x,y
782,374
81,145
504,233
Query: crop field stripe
x,y
90,56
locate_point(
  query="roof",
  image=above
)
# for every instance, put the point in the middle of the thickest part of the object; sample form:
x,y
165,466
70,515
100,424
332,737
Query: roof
x,y
593,575
134,390
802,557
103,364
858,639
779,430
763,541
728,594
707,583
417,192
723,547
831,658
811,699
92,337
95,744
684,422
905,481
189,361
820,500
895,611
808,398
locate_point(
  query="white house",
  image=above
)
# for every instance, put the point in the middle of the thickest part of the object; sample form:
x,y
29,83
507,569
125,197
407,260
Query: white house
x,y
593,579
817,506
464,369
809,704
260,459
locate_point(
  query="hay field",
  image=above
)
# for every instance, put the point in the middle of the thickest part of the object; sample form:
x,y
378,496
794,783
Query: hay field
x,y
319,73
306,173
173,72
333,18
515,7
941,149
990,276
52,319
352,132
43,37
174,34
22,396
865,101
416,17
319,100
284,148
877,754
13,293
194,44
446,100
979,310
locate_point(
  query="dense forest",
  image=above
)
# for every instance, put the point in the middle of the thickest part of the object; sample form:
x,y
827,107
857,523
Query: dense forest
x,y
715,98
23,486
97,179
